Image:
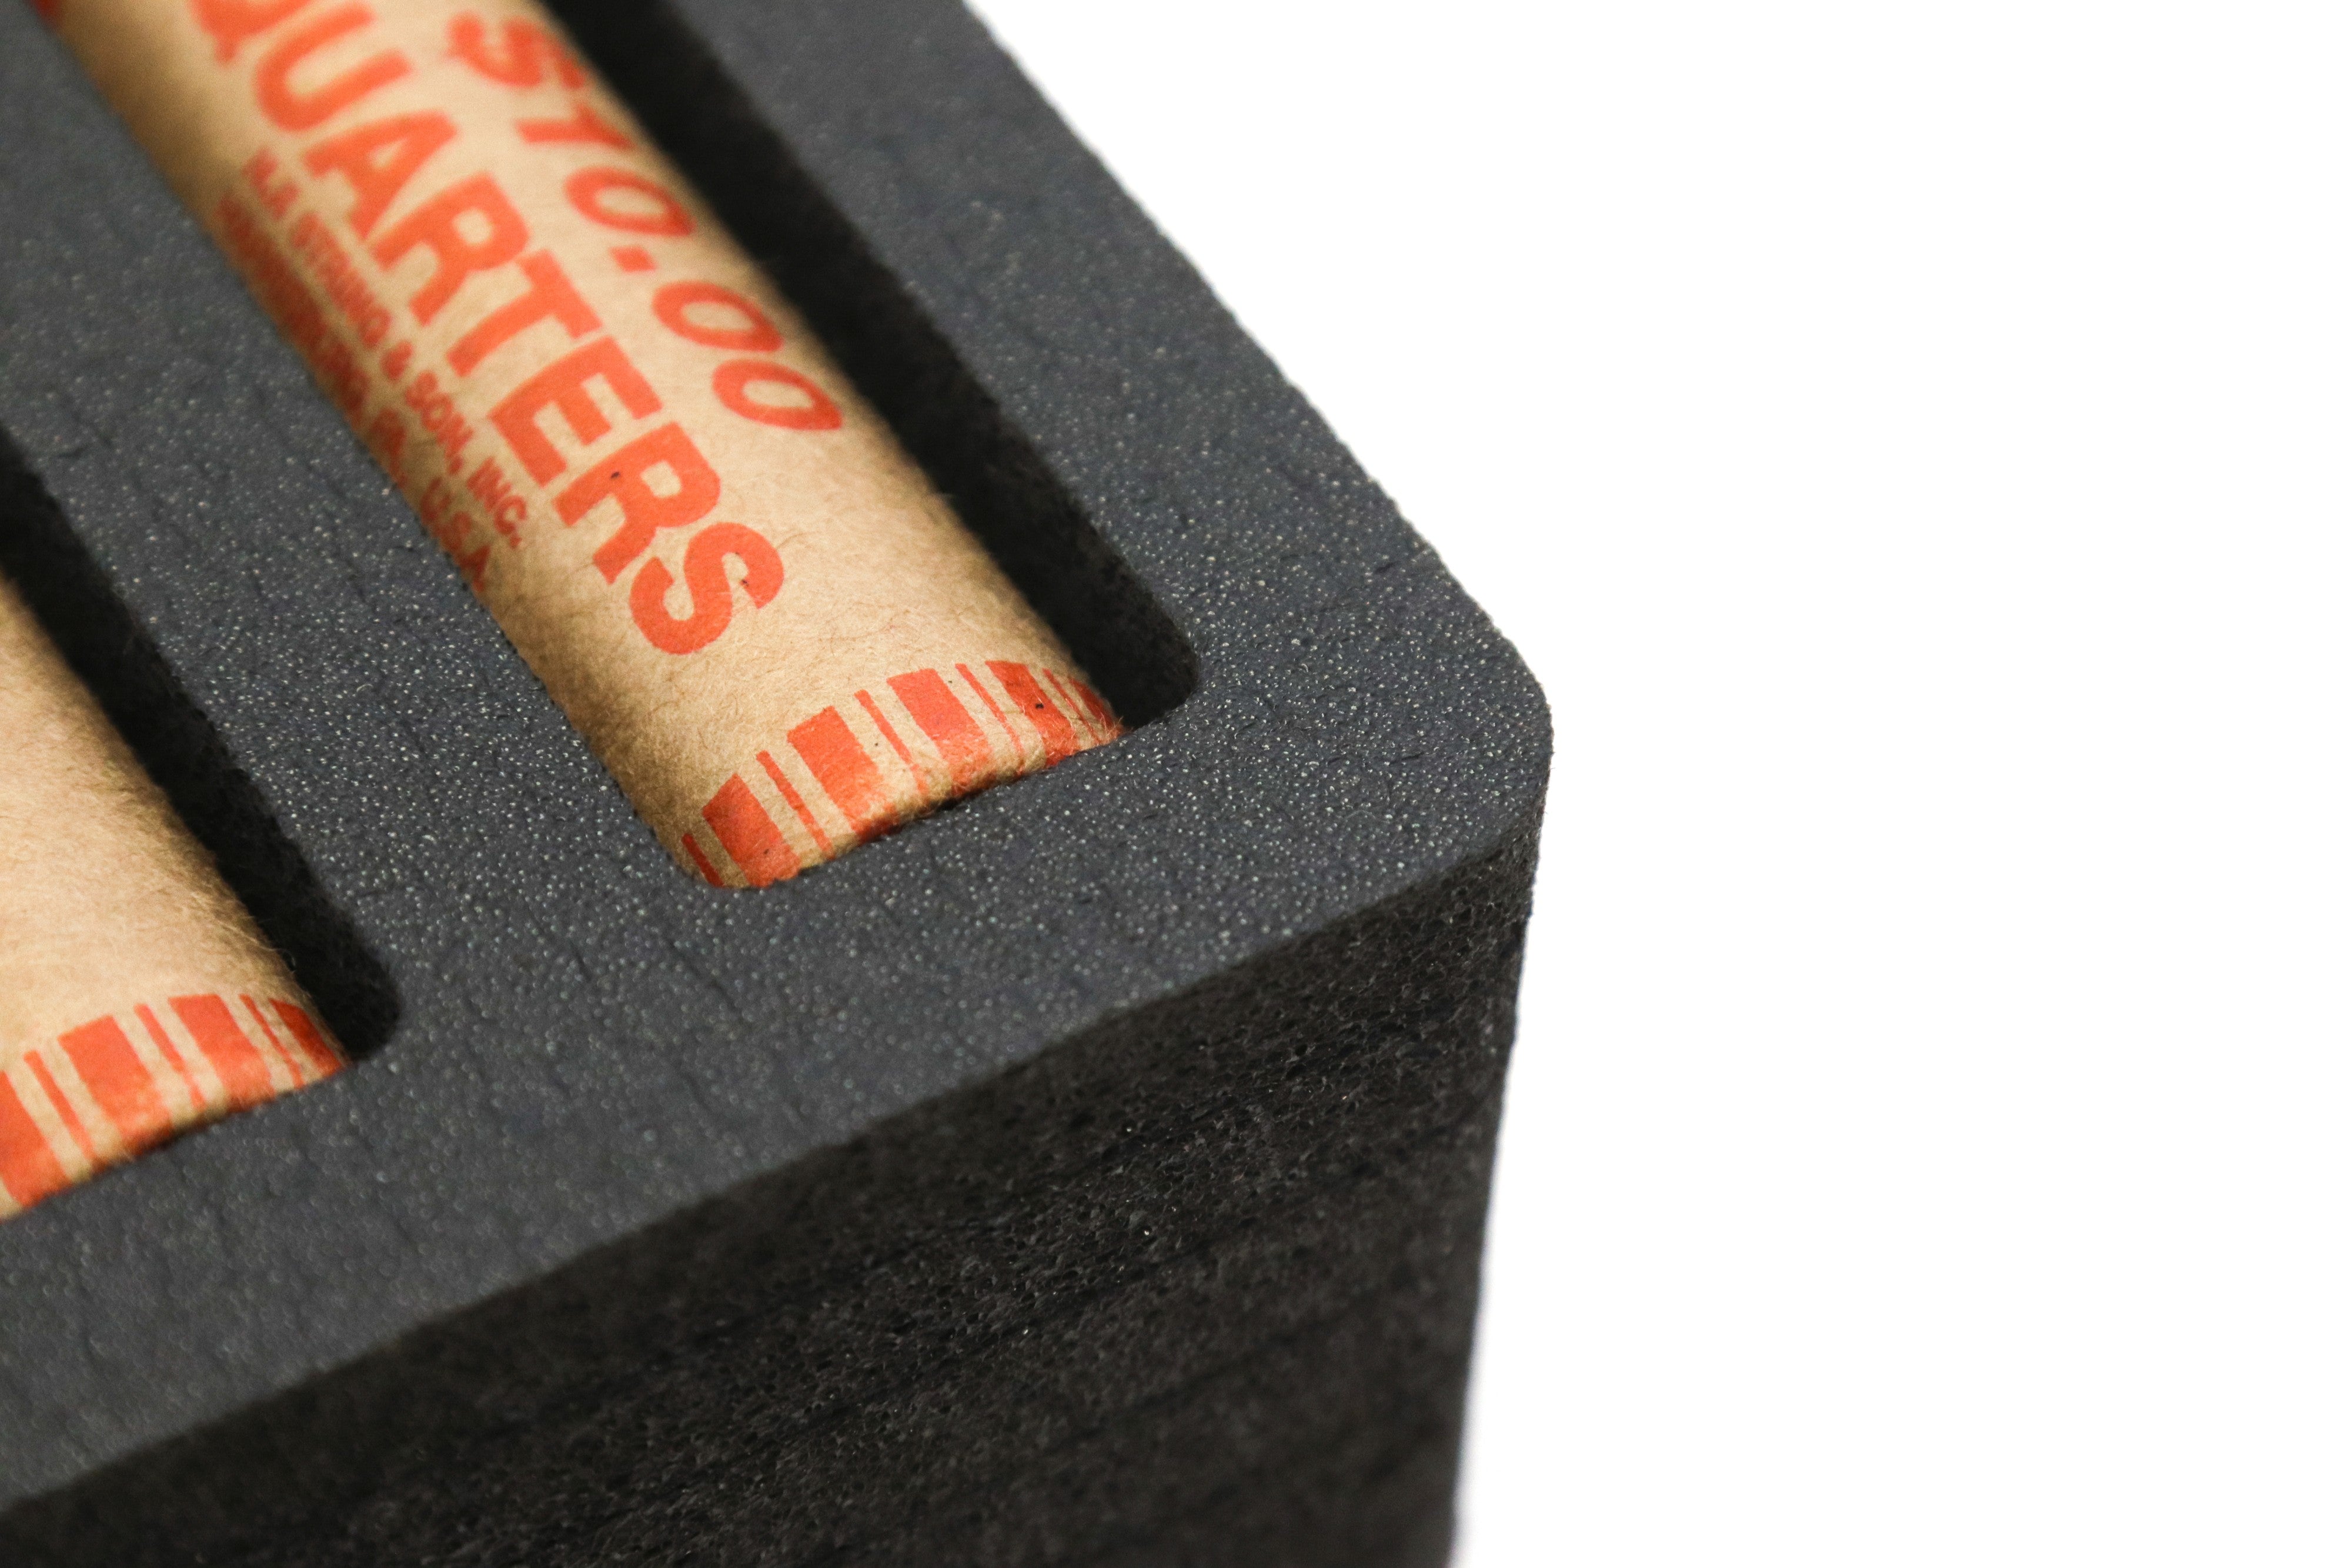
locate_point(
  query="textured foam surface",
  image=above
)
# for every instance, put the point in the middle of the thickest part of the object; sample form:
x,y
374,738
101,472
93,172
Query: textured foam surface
x,y
1091,1174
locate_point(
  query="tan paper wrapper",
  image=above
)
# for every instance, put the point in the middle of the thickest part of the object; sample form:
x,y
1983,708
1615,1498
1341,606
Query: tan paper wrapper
x,y
718,558
136,999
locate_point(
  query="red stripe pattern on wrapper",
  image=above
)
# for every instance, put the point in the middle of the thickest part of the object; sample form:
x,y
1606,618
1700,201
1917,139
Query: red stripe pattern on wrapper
x,y
120,1083
1106,722
853,771
64,1108
800,806
29,1170
749,834
324,1059
702,862
115,1087
882,723
958,737
164,1047
1053,728
994,712
243,1073
843,771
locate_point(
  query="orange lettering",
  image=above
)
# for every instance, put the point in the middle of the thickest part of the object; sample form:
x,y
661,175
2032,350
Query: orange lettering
x,y
711,596
489,487
734,380
743,326
386,437
379,159
440,224
622,478
531,50
275,190
586,125
646,208
563,386
439,413
232,22
293,111
550,298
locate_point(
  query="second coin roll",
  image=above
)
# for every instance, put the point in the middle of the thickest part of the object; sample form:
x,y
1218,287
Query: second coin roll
x,y
137,998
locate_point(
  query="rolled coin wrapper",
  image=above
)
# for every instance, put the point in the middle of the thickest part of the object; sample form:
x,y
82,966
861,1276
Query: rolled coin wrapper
x,y
715,554
137,1001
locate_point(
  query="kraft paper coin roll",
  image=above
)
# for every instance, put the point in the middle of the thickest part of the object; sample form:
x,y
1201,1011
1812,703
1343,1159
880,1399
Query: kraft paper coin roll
x,y
137,1001
715,554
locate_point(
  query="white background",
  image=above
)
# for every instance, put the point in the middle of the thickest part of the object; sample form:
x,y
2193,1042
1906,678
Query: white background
x,y
1909,444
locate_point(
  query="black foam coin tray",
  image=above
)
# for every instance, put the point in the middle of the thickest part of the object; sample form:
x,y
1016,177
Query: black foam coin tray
x,y
1093,1173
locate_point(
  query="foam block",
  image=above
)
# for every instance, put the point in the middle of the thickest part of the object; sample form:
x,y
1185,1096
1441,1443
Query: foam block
x,y
1093,1173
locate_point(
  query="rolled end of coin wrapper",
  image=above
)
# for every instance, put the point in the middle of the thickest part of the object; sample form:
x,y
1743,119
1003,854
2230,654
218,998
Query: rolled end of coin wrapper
x,y
716,555
137,1001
